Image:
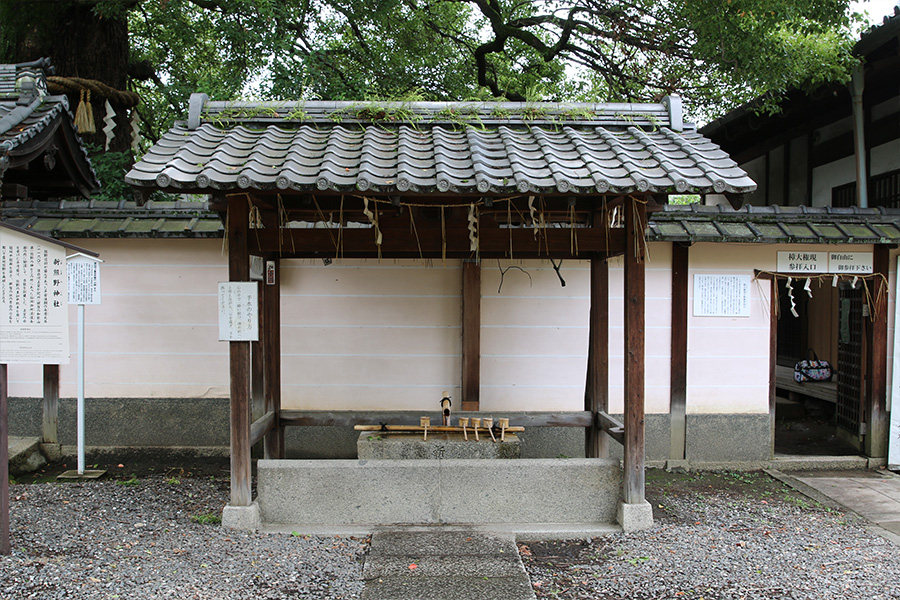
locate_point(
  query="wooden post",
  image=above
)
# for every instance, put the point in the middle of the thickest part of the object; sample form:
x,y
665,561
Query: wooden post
x,y
773,360
274,440
876,440
258,362
471,335
635,222
678,381
239,353
4,461
50,425
596,393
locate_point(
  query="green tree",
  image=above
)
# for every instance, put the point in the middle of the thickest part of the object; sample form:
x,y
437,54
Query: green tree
x,y
715,53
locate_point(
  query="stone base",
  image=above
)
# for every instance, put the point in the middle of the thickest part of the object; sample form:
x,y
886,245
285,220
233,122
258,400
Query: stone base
x,y
635,517
376,445
53,452
678,466
367,493
245,518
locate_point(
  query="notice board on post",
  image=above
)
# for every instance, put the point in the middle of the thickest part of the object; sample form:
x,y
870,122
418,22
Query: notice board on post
x,y
238,311
34,313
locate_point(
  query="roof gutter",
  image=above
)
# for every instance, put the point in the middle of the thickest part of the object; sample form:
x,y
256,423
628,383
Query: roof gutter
x,y
857,85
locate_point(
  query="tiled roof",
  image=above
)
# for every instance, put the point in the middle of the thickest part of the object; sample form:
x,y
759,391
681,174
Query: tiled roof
x,y
34,125
692,223
446,148
97,219
775,225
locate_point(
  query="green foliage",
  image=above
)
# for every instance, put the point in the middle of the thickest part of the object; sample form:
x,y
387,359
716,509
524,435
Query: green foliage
x,y
111,168
715,53
129,482
206,519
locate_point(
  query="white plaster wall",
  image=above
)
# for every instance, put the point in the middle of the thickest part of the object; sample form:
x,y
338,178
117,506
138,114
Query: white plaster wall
x,y
728,357
885,158
370,335
831,175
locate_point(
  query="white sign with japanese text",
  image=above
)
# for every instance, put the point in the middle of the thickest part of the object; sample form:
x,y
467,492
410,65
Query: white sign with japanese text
x,y
721,295
853,263
238,311
802,262
34,314
83,275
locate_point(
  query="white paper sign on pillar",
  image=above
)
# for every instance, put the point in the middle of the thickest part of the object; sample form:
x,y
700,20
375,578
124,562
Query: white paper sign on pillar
x,y
83,274
238,311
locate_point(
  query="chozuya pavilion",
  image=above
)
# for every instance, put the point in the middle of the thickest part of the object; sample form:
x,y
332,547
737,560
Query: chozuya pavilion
x,y
470,181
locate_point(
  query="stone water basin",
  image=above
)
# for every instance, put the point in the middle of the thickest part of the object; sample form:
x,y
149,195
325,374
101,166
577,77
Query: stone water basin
x,y
380,445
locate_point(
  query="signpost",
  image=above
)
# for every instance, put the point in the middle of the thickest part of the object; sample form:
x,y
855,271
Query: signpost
x,y
34,323
83,277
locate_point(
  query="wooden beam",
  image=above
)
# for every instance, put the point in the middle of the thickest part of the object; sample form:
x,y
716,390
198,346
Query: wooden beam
x,y
4,460
50,412
274,442
239,355
321,418
876,440
429,243
678,379
612,427
471,335
596,391
635,246
773,360
261,427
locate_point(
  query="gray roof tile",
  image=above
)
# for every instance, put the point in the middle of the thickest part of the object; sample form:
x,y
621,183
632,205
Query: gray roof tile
x,y
447,148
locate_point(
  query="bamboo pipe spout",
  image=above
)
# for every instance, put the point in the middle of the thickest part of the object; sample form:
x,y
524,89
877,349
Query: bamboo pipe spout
x,y
445,409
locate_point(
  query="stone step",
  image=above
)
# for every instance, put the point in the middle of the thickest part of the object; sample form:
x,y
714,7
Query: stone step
x,y
25,455
442,565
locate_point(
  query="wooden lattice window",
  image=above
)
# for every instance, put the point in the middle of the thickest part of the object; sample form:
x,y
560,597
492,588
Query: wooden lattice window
x,y
885,190
844,195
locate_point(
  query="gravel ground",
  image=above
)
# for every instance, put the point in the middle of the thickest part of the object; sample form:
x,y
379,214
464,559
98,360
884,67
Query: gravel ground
x,y
723,536
149,537
716,536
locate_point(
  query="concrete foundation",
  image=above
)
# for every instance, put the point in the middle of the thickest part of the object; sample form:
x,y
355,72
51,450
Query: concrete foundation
x,y
635,517
366,494
375,445
241,517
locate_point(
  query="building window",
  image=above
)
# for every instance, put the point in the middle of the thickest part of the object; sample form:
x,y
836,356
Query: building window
x,y
844,195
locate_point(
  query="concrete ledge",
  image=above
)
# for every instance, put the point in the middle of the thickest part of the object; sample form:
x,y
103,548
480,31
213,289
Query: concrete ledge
x,y
241,517
25,455
372,493
635,517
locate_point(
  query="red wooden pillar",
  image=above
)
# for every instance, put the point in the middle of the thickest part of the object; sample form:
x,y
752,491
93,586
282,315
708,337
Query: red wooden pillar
x,y
876,440
596,396
274,440
239,353
4,461
635,223
678,380
471,335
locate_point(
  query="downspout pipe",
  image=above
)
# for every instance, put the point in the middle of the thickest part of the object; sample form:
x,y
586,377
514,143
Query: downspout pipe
x,y
857,85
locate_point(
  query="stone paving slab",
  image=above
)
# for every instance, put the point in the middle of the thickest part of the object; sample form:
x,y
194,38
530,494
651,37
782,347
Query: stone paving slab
x,y
875,499
449,588
447,565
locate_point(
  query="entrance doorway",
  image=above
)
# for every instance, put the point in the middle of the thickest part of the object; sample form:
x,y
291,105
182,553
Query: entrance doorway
x,y
816,418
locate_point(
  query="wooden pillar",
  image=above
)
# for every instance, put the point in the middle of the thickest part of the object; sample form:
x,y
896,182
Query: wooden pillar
x,y
50,419
4,461
274,440
773,360
239,352
596,391
635,223
678,380
471,335
258,362
876,440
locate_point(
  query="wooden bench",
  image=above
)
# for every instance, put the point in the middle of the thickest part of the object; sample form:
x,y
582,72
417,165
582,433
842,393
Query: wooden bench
x,y
823,390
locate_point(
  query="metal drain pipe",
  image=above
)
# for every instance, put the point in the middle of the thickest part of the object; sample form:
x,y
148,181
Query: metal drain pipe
x,y
857,85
